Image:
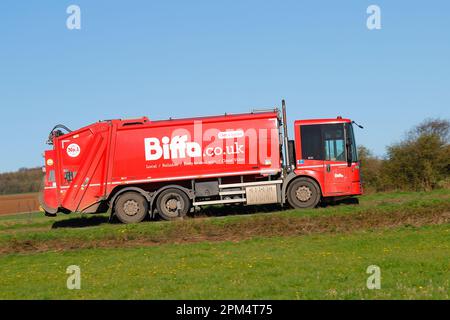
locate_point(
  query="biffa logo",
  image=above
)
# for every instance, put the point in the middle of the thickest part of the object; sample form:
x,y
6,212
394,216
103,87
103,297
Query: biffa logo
x,y
177,148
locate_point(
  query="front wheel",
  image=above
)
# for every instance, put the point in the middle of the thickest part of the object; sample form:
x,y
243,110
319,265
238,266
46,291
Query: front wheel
x,y
172,204
303,193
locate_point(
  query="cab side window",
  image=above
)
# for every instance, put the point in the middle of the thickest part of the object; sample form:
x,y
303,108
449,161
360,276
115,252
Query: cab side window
x,y
311,136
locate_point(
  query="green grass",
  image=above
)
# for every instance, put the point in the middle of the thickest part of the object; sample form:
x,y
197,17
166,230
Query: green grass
x,y
414,261
414,265
37,227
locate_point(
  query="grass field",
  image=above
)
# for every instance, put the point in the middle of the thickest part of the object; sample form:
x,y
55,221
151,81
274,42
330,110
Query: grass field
x,y
291,254
19,203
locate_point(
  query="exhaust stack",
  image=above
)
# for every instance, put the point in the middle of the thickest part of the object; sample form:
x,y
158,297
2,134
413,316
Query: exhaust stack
x,y
286,138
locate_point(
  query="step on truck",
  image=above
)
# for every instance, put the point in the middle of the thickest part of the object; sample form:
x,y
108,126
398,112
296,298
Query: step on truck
x,y
139,168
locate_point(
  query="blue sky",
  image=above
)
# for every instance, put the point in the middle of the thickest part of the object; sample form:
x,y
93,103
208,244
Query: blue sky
x,y
187,58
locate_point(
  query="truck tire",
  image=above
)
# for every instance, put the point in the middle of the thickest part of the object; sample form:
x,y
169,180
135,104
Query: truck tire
x,y
303,193
131,207
172,204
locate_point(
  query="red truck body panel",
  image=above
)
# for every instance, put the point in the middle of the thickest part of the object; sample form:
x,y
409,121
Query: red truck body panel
x,y
89,163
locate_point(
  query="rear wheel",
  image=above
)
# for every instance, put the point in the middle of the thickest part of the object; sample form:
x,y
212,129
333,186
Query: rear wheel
x,y
303,193
131,207
172,204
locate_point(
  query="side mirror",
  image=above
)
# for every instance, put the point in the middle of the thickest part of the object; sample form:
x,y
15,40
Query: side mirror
x,y
349,154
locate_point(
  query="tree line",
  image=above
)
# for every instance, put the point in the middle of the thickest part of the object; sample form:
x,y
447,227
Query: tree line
x,y
23,181
419,162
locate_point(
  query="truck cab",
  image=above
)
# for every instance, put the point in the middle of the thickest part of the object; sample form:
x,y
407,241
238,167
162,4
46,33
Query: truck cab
x,y
325,152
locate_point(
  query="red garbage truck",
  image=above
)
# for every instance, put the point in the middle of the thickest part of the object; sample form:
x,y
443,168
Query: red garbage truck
x,y
139,167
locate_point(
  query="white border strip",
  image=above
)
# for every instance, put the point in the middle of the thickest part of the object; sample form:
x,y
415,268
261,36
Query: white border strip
x,y
125,182
321,165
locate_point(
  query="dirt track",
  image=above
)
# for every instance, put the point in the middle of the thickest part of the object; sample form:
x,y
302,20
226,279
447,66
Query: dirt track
x,y
19,203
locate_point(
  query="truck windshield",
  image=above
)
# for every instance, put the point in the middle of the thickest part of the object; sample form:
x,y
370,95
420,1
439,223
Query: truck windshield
x,y
334,142
352,142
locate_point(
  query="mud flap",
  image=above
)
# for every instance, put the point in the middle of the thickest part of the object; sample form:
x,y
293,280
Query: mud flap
x,y
49,212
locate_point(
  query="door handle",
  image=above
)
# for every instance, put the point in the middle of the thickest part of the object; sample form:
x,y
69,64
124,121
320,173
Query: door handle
x,y
328,168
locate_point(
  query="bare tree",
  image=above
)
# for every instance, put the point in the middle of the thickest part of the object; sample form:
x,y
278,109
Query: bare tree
x,y
432,127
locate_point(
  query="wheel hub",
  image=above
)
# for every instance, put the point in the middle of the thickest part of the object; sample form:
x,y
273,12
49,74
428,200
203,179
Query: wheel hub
x,y
303,193
172,205
131,208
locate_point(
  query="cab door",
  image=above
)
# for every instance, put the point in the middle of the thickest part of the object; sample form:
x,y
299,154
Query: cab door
x,y
337,172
